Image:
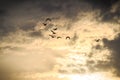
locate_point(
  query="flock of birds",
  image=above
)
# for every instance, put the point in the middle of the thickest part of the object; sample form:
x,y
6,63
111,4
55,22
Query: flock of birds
x,y
53,31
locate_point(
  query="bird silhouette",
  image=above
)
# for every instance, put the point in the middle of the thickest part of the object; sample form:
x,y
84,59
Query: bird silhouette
x,y
67,37
59,37
97,40
53,32
52,36
45,24
55,29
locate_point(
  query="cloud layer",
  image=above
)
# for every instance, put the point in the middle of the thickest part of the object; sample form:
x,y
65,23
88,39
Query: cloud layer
x,y
29,45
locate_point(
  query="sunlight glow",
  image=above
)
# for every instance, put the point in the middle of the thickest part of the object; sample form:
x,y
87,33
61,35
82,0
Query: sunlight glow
x,y
95,76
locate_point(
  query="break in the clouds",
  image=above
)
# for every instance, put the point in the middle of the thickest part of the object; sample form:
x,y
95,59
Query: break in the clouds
x,y
59,39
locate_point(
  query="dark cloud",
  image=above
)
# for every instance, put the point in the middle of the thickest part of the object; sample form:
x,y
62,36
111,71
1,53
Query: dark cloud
x,y
112,17
105,8
28,26
5,3
16,14
2,12
114,46
102,4
50,5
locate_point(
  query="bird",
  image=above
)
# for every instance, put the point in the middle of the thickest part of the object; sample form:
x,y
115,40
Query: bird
x,y
97,40
67,37
48,19
52,36
53,32
55,29
44,24
58,37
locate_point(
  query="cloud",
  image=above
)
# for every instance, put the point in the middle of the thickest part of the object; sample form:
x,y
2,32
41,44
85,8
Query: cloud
x,y
26,14
114,45
112,13
27,47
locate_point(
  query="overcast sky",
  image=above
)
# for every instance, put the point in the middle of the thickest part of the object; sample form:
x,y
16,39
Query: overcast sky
x,y
59,39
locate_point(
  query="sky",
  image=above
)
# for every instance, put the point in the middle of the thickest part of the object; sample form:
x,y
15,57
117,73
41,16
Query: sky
x,y
59,40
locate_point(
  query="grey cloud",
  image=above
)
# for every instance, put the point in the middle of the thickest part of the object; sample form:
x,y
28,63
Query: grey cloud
x,y
103,65
22,12
98,65
17,17
28,26
114,46
105,8
112,15
26,15
106,4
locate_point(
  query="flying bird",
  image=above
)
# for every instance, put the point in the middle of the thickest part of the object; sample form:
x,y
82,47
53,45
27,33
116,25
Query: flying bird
x,y
44,24
55,29
53,32
97,40
67,37
52,36
58,37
